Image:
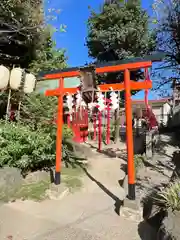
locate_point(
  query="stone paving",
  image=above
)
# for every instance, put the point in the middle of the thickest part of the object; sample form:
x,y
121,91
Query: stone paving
x,y
91,213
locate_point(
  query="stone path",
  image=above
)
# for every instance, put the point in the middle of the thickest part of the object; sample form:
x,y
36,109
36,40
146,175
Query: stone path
x,y
91,213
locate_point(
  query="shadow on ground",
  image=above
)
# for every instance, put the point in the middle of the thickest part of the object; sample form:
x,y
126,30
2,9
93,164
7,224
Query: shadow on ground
x,y
146,232
118,202
153,218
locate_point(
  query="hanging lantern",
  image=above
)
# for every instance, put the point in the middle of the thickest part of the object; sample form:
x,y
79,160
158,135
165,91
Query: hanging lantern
x,y
29,83
88,83
15,78
4,77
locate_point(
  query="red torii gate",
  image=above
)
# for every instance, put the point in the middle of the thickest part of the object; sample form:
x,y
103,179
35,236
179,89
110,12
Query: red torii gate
x,y
127,85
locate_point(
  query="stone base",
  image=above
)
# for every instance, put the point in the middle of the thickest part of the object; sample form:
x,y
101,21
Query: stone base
x,y
132,204
57,192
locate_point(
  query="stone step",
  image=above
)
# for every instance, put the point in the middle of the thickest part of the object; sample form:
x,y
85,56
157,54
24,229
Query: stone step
x,y
93,216
75,205
21,225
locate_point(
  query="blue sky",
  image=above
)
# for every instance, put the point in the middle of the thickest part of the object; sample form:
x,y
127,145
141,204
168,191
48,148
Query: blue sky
x,y
74,14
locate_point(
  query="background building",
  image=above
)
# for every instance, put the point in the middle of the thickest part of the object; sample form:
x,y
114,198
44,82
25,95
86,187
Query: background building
x,y
161,108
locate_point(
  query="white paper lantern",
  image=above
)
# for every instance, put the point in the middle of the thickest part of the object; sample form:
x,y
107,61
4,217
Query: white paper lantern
x,y
29,84
4,77
15,78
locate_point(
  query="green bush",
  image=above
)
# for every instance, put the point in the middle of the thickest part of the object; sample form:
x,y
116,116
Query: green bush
x,y
170,196
25,149
38,110
30,144
67,132
29,149
138,162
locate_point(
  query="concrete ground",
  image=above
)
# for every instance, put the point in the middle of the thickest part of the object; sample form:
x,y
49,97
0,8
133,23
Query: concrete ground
x,y
90,213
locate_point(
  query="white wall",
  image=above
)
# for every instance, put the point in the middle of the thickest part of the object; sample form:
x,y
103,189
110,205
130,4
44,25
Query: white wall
x,y
162,112
167,109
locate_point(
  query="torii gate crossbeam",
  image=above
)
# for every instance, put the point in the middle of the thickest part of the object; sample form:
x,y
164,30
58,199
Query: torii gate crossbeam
x,y
127,85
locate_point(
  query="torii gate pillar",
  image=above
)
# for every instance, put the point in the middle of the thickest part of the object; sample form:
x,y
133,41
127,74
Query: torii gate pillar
x,y
127,85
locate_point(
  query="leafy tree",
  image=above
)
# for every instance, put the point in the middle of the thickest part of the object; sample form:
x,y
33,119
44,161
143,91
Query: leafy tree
x,y
25,38
38,110
168,35
120,31
21,28
49,58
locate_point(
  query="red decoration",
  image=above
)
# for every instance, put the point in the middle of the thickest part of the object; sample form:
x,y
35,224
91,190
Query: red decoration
x,y
99,131
128,85
94,126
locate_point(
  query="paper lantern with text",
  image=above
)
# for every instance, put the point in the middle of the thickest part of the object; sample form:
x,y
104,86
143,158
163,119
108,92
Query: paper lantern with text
x,y
29,84
15,78
4,77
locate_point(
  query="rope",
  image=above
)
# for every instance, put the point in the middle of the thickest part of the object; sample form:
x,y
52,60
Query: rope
x,y
147,78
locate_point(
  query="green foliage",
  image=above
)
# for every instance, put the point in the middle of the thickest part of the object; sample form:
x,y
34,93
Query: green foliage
x,y
35,191
25,149
120,31
67,132
138,162
170,196
48,58
22,26
29,149
27,39
30,144
168,37
38,110
164,198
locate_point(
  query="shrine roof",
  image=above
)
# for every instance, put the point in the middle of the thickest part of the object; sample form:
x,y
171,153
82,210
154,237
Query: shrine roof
x,y
153,58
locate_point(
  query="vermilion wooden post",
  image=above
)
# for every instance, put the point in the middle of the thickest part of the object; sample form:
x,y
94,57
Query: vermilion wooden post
x,y
59,92
128,85
129,137
59,134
